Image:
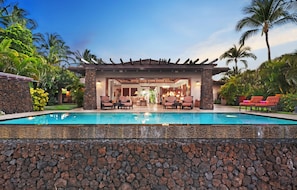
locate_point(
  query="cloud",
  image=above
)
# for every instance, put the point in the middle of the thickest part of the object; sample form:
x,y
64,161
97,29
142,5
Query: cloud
x,y
214,46
276,37
222,40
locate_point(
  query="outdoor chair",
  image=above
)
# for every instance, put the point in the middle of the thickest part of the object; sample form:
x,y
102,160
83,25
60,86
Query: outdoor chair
x,y
250,103
187,102
106,102
271,102
125,102
170,101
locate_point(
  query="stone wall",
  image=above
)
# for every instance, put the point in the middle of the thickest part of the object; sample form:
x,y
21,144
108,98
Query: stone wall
x,y
15,96
148,164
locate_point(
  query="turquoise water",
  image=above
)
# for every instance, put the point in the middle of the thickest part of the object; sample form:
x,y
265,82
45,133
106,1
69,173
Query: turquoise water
x,y
149,118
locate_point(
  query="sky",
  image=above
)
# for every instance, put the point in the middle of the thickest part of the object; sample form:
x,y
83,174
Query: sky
x,y
155,28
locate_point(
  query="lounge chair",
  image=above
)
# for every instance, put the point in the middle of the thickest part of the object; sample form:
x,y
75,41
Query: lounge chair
x,y
125,102
270,103
106,102
170,101
250,103
187,102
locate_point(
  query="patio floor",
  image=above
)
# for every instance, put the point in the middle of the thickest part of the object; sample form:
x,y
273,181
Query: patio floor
x,y
158,108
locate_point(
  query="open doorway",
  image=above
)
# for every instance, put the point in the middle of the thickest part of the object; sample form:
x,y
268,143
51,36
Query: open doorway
x,y
148,91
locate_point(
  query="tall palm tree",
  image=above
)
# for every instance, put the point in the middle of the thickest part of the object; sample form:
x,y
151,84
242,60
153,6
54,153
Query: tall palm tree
x,y
53,48
262,15
235,54
12,14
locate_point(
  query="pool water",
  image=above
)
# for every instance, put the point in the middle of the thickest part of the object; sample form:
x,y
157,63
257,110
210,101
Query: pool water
x,y
149,118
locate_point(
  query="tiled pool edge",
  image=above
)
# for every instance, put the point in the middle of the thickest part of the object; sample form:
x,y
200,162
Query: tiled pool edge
x,y
147,131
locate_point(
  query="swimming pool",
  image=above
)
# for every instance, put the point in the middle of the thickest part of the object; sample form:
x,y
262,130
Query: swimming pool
x,y
148,118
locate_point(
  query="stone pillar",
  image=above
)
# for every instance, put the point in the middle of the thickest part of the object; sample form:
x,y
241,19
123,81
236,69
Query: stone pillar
x,y
206,101
90,100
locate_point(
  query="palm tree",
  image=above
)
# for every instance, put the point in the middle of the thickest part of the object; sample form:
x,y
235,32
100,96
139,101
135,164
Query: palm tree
x,y
235,54
12,14
290,70
7,56
262,15
87,56
53,48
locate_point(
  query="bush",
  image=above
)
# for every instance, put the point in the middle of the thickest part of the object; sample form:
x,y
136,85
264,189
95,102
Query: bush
x,y
288,102
78,97
39,98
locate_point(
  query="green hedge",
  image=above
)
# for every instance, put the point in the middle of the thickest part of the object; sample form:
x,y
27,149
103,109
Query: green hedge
x,y
288,102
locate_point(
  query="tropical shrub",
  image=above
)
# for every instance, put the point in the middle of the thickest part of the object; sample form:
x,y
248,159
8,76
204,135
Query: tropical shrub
x,y
39,98
233,89
78,96
288,102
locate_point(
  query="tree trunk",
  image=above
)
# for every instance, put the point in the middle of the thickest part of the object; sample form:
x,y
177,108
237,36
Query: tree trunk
x,y
60,97
268,47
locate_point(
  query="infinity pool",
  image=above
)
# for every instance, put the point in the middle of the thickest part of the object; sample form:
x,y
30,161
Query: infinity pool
x,y
149,118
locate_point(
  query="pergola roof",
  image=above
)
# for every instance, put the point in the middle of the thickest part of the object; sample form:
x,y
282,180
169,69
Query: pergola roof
x,y
151,65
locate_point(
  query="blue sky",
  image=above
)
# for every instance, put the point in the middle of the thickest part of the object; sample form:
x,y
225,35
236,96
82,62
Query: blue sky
x,y
154,28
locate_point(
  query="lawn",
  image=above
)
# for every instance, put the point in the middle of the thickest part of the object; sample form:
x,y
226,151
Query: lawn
x,y
61,107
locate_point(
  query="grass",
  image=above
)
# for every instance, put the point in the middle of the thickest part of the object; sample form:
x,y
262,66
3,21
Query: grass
x,y
61,107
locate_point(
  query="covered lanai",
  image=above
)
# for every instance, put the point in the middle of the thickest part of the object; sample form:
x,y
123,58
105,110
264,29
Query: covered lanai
x,y
136,78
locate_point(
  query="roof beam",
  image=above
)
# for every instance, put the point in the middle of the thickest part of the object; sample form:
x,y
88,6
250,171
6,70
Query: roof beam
x,y
121,61
177,61
186,61
196,61
131,61
111,60
215,60
85,61
94,61
204,61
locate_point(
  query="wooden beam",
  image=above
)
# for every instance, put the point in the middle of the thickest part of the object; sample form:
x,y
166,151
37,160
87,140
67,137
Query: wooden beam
x,y
186,61
131,61
215,60
196,61
111,60
168,61
177,61
84,61
204,61
94,61
121,61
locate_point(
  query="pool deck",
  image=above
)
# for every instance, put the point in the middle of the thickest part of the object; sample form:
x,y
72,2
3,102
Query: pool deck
x,y
158,108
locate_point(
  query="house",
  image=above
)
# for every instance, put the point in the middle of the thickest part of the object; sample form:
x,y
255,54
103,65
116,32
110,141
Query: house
x,y
141,78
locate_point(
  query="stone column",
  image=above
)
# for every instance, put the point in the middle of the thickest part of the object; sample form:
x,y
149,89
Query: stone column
x,y
90,100
206,101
